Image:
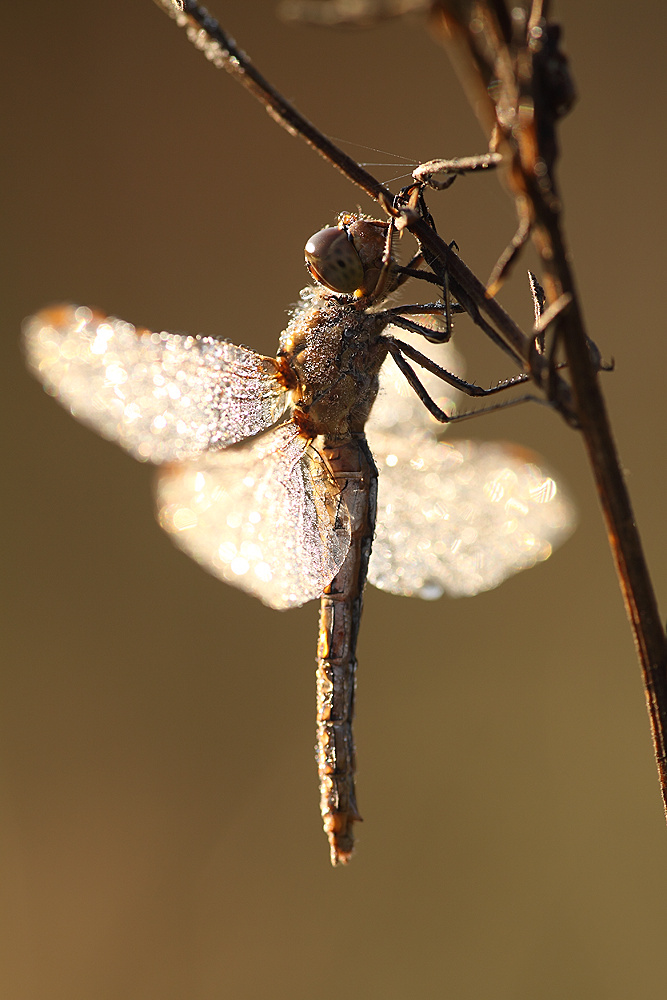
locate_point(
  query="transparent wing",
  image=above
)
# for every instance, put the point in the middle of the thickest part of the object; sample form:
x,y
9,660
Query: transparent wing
x,y
460,518
161,396
398,409
264,516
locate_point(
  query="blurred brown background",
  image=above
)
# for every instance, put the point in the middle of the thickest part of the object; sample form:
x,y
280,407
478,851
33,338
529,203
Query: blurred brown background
x,y
160,829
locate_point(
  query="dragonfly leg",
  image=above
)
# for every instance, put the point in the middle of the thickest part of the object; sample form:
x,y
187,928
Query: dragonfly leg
x,y
411,269
387,272
398,349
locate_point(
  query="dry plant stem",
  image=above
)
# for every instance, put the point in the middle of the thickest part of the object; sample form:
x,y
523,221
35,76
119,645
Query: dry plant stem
x,y
527,76
634,578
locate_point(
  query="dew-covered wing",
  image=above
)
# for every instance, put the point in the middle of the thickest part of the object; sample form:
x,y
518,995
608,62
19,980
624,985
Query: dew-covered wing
x,y
162,396
460,518
264,516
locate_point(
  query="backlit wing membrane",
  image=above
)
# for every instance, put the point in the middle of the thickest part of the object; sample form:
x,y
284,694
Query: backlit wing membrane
x,y
454,518
162,396
264,516
460,518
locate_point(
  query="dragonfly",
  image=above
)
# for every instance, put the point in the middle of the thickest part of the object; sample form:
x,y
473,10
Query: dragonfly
x,y
298,477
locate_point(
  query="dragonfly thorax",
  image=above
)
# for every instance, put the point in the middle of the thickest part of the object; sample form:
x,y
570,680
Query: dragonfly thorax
x,y
334,352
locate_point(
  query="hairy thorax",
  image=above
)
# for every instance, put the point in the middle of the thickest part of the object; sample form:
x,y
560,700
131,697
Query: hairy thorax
x,y
333,351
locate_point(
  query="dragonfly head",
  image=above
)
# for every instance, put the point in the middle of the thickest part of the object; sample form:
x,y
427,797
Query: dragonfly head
x,y
348,258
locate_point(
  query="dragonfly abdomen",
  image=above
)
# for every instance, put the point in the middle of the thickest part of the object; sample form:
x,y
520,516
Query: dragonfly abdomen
x,y
336,760
351,464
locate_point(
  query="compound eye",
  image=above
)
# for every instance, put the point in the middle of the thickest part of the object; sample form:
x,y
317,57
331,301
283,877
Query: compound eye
x,y
333,260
